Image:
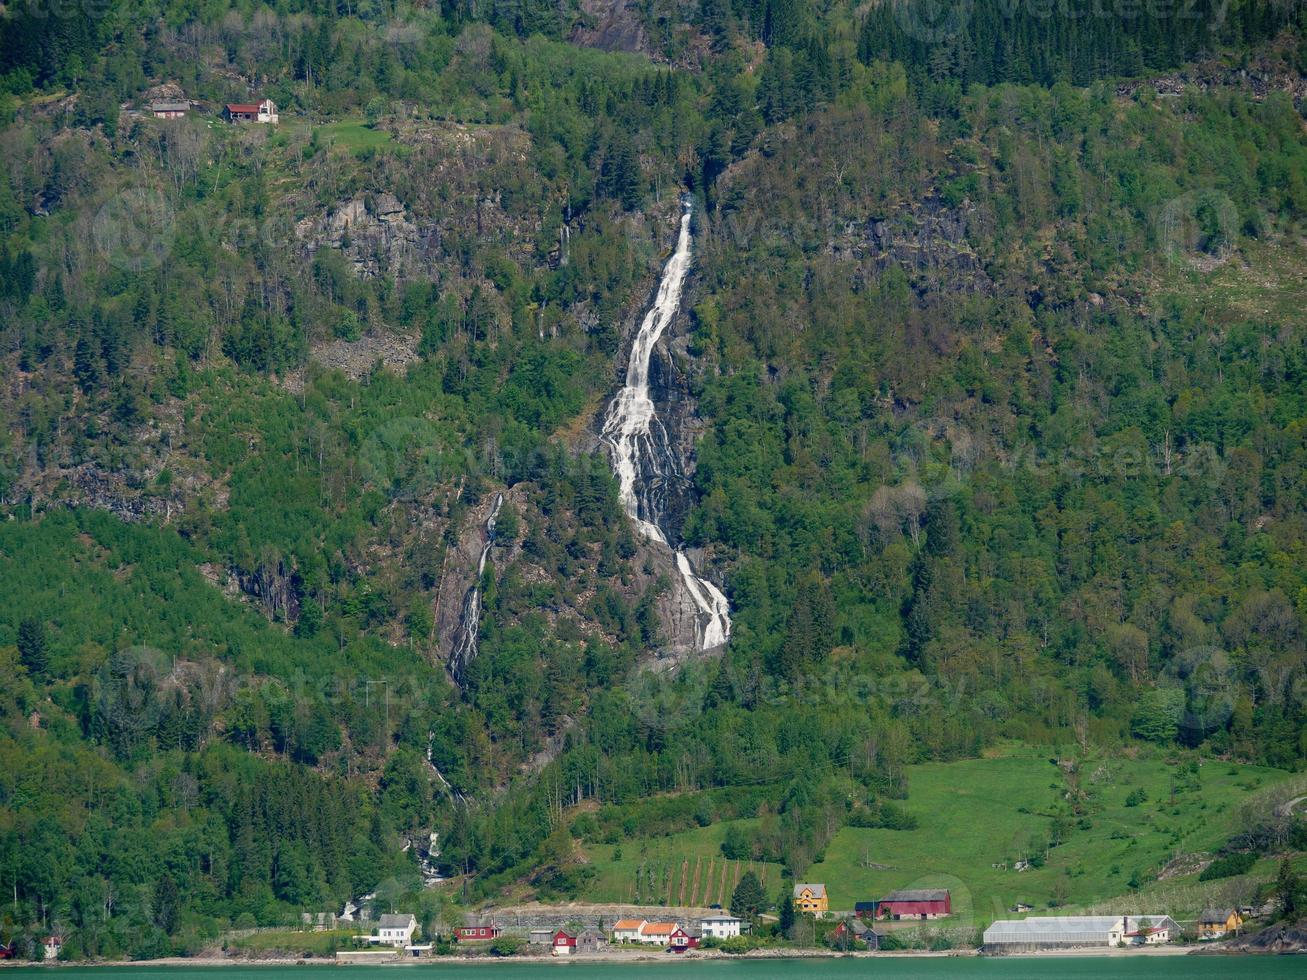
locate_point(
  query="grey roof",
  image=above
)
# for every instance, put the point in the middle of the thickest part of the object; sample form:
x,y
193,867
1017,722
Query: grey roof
x,y
1213,917
818,891
721,917
917,895
170,106
395,921
1053,928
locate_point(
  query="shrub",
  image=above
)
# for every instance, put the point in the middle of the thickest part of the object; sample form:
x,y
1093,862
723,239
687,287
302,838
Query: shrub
x,y
1228,866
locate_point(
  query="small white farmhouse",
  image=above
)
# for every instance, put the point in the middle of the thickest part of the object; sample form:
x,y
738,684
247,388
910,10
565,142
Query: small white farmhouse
x,y
396,930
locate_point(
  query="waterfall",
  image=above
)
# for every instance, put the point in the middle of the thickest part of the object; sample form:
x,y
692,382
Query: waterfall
x,y
465,647
642,454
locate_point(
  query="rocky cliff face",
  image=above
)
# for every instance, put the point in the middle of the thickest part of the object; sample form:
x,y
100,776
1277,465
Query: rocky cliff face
x,y
611,25
928,240
375,233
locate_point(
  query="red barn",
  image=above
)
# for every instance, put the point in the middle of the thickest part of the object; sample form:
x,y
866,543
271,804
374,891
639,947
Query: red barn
x,y
477,934
915,903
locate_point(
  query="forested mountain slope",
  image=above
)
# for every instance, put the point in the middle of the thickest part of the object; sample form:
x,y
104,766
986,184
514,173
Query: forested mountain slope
x,y
989,382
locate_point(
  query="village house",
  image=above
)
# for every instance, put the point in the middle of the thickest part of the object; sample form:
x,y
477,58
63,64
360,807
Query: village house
x,y
564,943
591,941
1149,930
682,939
854,933
169,110
395,930
720,927
811,898
864,910
1215,923
53,946
657,933
264,111
915,903
628,930
540,937
477,934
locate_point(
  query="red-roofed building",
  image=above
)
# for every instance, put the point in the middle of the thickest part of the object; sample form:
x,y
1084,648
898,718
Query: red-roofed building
x,y
261,112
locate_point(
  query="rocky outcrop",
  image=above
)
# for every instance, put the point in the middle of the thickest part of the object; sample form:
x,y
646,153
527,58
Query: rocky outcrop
x,y
1283,937
927,240
610,25
374,232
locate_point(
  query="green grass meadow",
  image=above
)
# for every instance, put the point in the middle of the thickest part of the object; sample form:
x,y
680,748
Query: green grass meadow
x,y
678,854
978,816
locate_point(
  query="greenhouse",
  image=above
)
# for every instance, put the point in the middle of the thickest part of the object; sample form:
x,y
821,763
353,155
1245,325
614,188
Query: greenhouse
x,y
1021,935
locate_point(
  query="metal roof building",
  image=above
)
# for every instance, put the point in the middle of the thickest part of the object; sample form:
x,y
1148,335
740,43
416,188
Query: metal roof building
x,y
1020,935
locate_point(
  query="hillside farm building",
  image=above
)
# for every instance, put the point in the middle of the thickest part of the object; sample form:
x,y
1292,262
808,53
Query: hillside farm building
x,y
915,903
264,111
169,110
811,898
1215,923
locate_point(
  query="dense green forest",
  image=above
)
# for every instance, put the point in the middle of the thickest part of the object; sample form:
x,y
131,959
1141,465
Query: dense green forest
x,y
993,341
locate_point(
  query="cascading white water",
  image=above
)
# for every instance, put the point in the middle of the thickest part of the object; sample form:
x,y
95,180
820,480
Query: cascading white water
x,y
465,647
641,451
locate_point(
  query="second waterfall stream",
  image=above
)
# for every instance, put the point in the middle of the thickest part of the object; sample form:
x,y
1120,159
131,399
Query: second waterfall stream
x,y
642,454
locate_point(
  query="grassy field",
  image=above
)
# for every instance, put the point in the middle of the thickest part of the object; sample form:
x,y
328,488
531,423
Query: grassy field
x,y
977,818
352,135
315,943
673,860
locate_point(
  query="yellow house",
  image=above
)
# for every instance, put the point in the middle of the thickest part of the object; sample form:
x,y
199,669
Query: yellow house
x,y
1215,923
810,898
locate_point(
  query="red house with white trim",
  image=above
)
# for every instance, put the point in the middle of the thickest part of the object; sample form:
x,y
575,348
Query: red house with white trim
x,y
681,940
477,934
564,943
915,903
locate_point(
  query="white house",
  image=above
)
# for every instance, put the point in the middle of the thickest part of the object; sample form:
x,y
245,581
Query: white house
x,y
628,930
720,926
1149,930
53,946
657,933
395,930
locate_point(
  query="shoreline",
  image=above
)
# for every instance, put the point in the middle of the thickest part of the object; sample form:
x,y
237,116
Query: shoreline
x,y
619,957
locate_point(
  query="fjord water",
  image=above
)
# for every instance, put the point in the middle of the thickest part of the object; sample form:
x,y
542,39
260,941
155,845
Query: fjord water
x,y
917,968
643,458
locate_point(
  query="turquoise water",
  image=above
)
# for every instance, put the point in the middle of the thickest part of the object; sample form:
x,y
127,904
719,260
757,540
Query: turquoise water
x,y
1060,968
